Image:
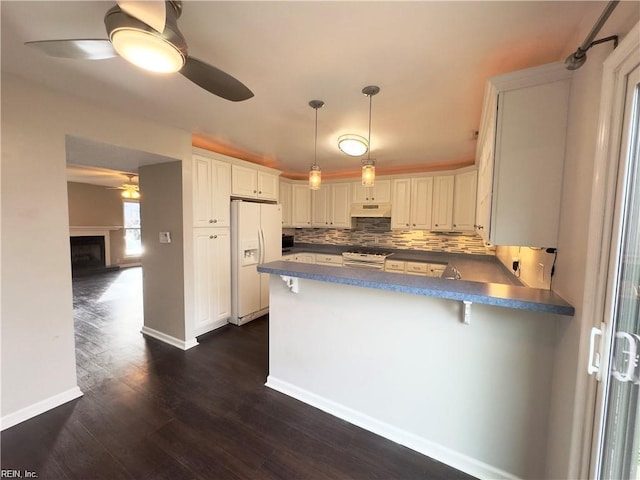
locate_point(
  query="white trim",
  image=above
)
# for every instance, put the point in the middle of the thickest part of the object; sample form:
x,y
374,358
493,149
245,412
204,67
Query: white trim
x,y
438,452
38,408
603,198
173,341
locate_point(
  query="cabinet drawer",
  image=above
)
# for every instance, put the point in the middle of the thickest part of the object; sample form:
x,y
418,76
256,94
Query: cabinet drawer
x,y
329,259
436,270
416,268
394,266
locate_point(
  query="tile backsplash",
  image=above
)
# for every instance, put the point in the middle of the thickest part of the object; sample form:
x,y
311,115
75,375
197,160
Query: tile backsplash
x,y
376,232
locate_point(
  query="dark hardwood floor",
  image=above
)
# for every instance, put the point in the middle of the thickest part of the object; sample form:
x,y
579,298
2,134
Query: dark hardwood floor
x,y
151,411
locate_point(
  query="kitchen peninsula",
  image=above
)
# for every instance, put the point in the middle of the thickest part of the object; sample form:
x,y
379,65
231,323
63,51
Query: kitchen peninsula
x,y
390,353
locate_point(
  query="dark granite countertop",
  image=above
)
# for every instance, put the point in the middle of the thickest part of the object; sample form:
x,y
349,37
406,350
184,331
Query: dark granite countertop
x,y
477,268
508,296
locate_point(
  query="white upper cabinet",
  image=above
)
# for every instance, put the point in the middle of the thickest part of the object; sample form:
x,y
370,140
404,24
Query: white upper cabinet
x,y
330,206
247,182
379,193
520,156
211,189
300,205
412,203
285,202
267,185
464,201
442,212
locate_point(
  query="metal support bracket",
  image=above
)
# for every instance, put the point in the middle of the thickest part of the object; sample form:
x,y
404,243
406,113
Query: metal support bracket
x,y
466,312
291,282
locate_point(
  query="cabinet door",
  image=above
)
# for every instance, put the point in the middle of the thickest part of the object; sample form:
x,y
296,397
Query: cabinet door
x,y
267,185
244,182
380,193
401,204
442,212
202,192
341,205
212,285
464,201
320,206
301,205
211,188
285,202
221,195
421,203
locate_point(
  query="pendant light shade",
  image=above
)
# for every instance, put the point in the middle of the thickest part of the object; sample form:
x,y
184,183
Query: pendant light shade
x,y
369,165
315,174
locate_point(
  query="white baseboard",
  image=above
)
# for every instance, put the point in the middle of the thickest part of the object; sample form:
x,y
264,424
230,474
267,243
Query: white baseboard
x,y
445,455
247,318
36,409
209,327
173,341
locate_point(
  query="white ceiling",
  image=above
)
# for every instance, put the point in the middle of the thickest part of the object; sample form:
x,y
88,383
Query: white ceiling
x,y
430,59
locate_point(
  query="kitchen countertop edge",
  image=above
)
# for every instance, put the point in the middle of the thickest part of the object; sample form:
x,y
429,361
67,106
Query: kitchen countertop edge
x,y
501,295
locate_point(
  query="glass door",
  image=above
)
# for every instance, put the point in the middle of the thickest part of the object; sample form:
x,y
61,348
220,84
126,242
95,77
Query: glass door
x,y
619,437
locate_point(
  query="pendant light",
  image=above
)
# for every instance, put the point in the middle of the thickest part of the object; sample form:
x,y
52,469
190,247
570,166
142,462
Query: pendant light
x,y
369,165
315,174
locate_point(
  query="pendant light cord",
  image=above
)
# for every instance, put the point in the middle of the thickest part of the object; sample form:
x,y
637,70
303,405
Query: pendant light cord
x,y
315,144
369,139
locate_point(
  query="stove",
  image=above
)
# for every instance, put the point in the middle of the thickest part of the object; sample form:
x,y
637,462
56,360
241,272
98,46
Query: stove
x,y
363,258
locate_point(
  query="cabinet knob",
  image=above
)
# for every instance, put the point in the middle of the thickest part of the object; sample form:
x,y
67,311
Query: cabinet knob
x,y
454,225
210,236
373,198
254,191
215,221
210,221
260,191
414,224
407,224
436,224
480,227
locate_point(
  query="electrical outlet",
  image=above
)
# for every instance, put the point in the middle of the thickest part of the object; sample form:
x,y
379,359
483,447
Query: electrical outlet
x,y
541,272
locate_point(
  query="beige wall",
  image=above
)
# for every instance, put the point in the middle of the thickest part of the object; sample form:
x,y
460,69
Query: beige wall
x,y
565,452
38,355
98,206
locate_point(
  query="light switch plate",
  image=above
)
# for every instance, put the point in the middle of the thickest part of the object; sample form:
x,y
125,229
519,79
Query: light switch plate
x,y
165,237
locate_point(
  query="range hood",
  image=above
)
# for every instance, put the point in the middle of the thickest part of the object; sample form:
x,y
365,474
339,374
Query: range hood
x,y
374,210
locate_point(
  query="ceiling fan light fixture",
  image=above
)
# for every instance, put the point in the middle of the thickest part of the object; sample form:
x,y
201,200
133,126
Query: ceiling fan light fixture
x,y
353,145
147,50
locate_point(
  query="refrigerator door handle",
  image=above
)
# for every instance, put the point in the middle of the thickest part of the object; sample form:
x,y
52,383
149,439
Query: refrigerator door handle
x,y
262,246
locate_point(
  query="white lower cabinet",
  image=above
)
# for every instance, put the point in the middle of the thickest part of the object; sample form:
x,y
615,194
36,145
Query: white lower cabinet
x,y
396,266
415,268
212,282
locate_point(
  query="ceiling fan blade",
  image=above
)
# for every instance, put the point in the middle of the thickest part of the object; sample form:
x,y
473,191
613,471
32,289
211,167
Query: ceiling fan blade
x,y
151,12
215,80
81,49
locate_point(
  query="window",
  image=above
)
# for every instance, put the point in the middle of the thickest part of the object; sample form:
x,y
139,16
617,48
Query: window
x,y
133,243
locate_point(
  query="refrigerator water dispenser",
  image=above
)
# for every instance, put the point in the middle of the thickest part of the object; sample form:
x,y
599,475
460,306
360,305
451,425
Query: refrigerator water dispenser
x,y
249,252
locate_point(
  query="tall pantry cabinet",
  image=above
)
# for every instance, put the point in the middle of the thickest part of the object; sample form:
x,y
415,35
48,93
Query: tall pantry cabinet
x,y
212,244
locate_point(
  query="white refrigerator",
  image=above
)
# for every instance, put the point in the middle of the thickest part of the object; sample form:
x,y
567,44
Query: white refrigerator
x,y
256,237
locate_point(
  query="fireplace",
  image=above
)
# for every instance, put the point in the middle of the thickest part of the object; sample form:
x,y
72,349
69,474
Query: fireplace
x,y
87,253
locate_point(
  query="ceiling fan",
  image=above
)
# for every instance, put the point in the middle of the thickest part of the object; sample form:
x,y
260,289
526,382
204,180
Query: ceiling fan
x,y
146,34
129,189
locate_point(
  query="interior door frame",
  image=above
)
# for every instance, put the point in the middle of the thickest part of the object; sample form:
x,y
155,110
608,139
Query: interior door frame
x,y
602,225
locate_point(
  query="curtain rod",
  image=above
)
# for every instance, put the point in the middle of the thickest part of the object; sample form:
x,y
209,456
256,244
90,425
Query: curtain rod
x,y
577,59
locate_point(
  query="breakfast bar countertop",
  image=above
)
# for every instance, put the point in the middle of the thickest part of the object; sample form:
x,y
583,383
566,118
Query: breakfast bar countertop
x,y
502,295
